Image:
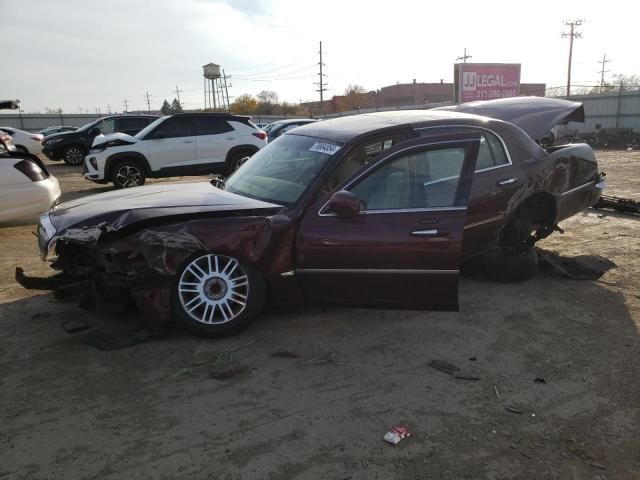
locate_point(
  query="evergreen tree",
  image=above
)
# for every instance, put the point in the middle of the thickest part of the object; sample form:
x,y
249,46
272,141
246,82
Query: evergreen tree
x,y
175,106
166,108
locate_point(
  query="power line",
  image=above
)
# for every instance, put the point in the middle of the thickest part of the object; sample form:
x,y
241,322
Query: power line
x,y
572,24
604,61
465,56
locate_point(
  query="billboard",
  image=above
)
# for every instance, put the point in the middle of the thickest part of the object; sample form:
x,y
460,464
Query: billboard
x,y
485,81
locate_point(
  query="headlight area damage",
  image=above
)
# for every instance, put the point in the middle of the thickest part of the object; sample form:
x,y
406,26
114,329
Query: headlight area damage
x,y
110,269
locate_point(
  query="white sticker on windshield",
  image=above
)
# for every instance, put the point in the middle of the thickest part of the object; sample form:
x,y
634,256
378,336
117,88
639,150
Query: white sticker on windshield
x,y
326,148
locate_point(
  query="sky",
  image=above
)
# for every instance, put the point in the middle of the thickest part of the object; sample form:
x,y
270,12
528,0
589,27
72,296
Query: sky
x,y
82,55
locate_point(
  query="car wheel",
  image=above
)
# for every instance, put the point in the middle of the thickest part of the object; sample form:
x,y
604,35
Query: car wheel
x,y
73,155
21,149
217,294
127,173
504,264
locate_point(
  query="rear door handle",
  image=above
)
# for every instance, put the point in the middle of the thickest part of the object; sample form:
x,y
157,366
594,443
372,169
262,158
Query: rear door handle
x,y
187,141
507,182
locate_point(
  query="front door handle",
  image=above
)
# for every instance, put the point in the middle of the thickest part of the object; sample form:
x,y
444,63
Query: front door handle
x,y
432,232
507,182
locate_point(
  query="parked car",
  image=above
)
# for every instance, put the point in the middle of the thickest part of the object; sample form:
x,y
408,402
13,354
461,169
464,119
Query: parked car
x,y
181,144
262,126
25,141
73,146
26,186
57,129
6,142
372,210
275,129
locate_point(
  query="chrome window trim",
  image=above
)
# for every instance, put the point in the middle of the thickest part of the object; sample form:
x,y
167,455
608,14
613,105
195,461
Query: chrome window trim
x,y
348,185
377,271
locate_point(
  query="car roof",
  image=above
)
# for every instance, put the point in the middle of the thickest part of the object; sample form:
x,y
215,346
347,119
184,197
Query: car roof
x,y
344,129
287,121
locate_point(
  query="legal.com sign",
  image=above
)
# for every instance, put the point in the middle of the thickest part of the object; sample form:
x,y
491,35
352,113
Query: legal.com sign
x,y
486,81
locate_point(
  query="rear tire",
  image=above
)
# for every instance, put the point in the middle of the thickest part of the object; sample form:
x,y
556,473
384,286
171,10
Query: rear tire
x,y
127,173
504,264
215,295
74,155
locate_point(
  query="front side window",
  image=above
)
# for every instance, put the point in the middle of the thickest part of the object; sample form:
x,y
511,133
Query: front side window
x,y
133,123
359,156
174,127
423,179
108,125
282,171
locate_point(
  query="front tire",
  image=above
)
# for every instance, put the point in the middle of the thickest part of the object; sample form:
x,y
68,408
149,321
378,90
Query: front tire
x,y
73,155
127,173
216,294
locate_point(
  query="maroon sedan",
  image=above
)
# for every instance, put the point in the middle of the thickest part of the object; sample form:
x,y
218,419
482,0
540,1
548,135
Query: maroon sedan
x,y
373,210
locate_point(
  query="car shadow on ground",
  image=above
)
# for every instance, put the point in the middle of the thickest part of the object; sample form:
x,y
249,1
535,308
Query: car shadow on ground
x,y
310,391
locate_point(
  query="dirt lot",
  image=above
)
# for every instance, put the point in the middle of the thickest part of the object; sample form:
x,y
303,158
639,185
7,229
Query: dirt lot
x,y
70,411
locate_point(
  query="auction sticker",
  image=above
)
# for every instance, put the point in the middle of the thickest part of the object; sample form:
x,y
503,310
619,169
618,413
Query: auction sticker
x,y
326,148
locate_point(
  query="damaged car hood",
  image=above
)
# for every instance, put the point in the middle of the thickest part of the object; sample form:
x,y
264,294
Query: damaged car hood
x,y
535,115
112,211
117,138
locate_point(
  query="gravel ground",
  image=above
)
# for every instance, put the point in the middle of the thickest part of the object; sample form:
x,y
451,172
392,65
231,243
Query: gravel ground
x,y
315,389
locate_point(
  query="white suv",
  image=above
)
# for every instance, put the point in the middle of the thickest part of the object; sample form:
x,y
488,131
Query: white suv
x,y
182,144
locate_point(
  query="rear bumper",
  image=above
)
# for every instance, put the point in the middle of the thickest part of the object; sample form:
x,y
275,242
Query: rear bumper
x,y
27,200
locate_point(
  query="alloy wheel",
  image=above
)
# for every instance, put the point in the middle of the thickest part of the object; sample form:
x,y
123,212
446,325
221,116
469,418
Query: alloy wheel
x,y
128,176
74,155
213,289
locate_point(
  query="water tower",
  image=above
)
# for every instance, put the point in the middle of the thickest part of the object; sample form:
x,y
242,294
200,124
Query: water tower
x,y
211,73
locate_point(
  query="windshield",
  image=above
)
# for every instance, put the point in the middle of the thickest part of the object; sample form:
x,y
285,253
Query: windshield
x,y
283,170
89,126
269,127
143,133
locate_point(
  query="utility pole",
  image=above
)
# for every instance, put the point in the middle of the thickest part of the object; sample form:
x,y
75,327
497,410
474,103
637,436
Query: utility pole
x,y
148,103
604,61
572,24
109,109
465,56
178,94
226,89
126,105
321,83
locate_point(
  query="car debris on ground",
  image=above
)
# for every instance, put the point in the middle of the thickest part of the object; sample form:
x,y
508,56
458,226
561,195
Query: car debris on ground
x,y
396,435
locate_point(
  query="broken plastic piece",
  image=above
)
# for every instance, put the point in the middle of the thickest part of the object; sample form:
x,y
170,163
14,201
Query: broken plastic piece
x,y
396,434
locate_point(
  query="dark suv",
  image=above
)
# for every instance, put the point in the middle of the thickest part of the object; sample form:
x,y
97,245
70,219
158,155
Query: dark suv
x,y
73,146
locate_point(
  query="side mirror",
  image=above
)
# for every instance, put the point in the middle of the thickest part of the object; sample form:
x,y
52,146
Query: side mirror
x,y
344,204
95,131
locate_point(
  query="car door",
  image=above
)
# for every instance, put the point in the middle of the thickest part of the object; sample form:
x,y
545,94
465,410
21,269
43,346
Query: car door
x,y
131,125
403,249
214,138
171,145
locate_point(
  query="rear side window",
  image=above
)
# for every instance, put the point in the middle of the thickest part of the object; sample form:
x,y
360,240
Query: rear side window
x,y
211,126
132,123
176,127
491,153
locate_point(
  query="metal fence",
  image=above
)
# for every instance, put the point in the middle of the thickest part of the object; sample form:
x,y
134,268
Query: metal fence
x,y
33,122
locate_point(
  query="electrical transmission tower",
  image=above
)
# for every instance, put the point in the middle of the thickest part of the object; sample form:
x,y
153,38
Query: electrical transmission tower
x,y
465,56
572,24
126,105
321,84
604,62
